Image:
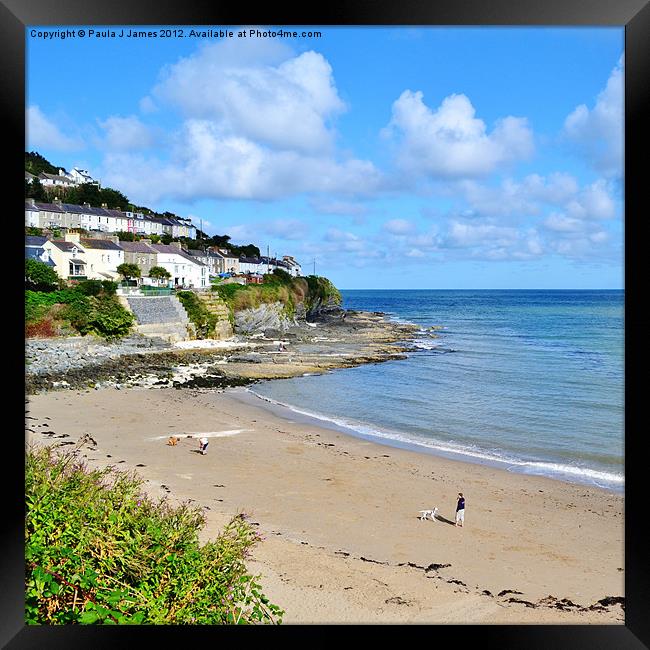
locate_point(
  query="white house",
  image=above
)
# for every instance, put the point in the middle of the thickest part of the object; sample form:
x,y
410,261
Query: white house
x,y
55,180
32,214
184,269
252,265
78,176
294,266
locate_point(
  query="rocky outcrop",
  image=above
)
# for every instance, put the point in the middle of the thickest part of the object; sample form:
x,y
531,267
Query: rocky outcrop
x,y
268,316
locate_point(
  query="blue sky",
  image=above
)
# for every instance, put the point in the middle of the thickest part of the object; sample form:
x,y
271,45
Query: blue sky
x,y
394,157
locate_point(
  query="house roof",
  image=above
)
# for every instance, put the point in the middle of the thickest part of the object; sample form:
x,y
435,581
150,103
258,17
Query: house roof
x,y
35,254
31,206
103,244
34,240
65,246
49,207
166,248
137,247
54,177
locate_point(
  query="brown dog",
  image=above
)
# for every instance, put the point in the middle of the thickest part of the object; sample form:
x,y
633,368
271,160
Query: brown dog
x,y
173,441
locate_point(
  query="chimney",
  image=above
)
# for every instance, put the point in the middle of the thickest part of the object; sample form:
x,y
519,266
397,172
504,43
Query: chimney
x,y
176,244
105,206
56,199
86,204
71,237
31,201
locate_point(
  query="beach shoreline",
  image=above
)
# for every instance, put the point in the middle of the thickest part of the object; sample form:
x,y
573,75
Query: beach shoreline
x,y
340,515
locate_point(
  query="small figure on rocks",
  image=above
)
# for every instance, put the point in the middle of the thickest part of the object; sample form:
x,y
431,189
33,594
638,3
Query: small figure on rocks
x,y
172,441
203,445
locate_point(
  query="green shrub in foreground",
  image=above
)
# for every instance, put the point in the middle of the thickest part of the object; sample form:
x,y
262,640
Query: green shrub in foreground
x,y
97,550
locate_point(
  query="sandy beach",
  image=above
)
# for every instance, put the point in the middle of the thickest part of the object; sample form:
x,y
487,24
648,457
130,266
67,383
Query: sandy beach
x,y
343,541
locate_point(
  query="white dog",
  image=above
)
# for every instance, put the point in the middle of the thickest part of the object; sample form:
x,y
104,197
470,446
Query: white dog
x,y
424,514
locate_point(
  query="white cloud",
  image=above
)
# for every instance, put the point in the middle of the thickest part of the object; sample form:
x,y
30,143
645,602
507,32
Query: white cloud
x,y
126,134
593,202
206,163
466,235
258,91
337,207
399,226
147,105
42,133
256,126
285,228
599,132
451,142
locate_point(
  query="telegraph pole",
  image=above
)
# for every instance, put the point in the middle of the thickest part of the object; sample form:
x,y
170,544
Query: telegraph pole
x,y
314,266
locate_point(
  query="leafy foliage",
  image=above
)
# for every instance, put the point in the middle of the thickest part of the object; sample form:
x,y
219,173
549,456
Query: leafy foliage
x,y
98,551
40,277
204,320
90,307
34,190
280,286
159,272
35,164
129,270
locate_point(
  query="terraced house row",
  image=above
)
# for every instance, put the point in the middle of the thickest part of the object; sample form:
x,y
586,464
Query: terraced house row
x,y
69,215
79,257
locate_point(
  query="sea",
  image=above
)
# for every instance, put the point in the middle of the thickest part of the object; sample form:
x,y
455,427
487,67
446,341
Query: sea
x,y
531,381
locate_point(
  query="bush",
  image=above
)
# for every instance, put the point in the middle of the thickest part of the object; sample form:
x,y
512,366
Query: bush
x,y
97,550
108,318
41,328
90,307
40,277
90,287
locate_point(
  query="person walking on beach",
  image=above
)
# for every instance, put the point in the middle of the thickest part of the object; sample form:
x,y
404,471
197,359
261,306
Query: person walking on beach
x,y
460,510
203,445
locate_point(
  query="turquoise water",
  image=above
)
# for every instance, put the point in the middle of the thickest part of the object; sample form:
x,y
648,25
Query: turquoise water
x,y
532,381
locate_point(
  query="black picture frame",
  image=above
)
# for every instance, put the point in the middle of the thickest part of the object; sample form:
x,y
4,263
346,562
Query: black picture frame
x,y
634,15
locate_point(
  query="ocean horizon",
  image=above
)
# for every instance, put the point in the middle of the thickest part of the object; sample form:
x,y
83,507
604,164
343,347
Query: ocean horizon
x,y
529,380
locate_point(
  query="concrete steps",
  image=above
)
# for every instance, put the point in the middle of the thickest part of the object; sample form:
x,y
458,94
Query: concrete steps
x,y
161,317
215,305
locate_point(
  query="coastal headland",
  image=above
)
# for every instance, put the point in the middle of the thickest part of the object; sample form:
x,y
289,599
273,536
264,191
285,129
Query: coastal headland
x,y
343,541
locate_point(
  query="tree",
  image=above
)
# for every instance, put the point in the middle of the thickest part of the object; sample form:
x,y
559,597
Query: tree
x,y
113,198
159,273
40,277
35,164
35,190
129,270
